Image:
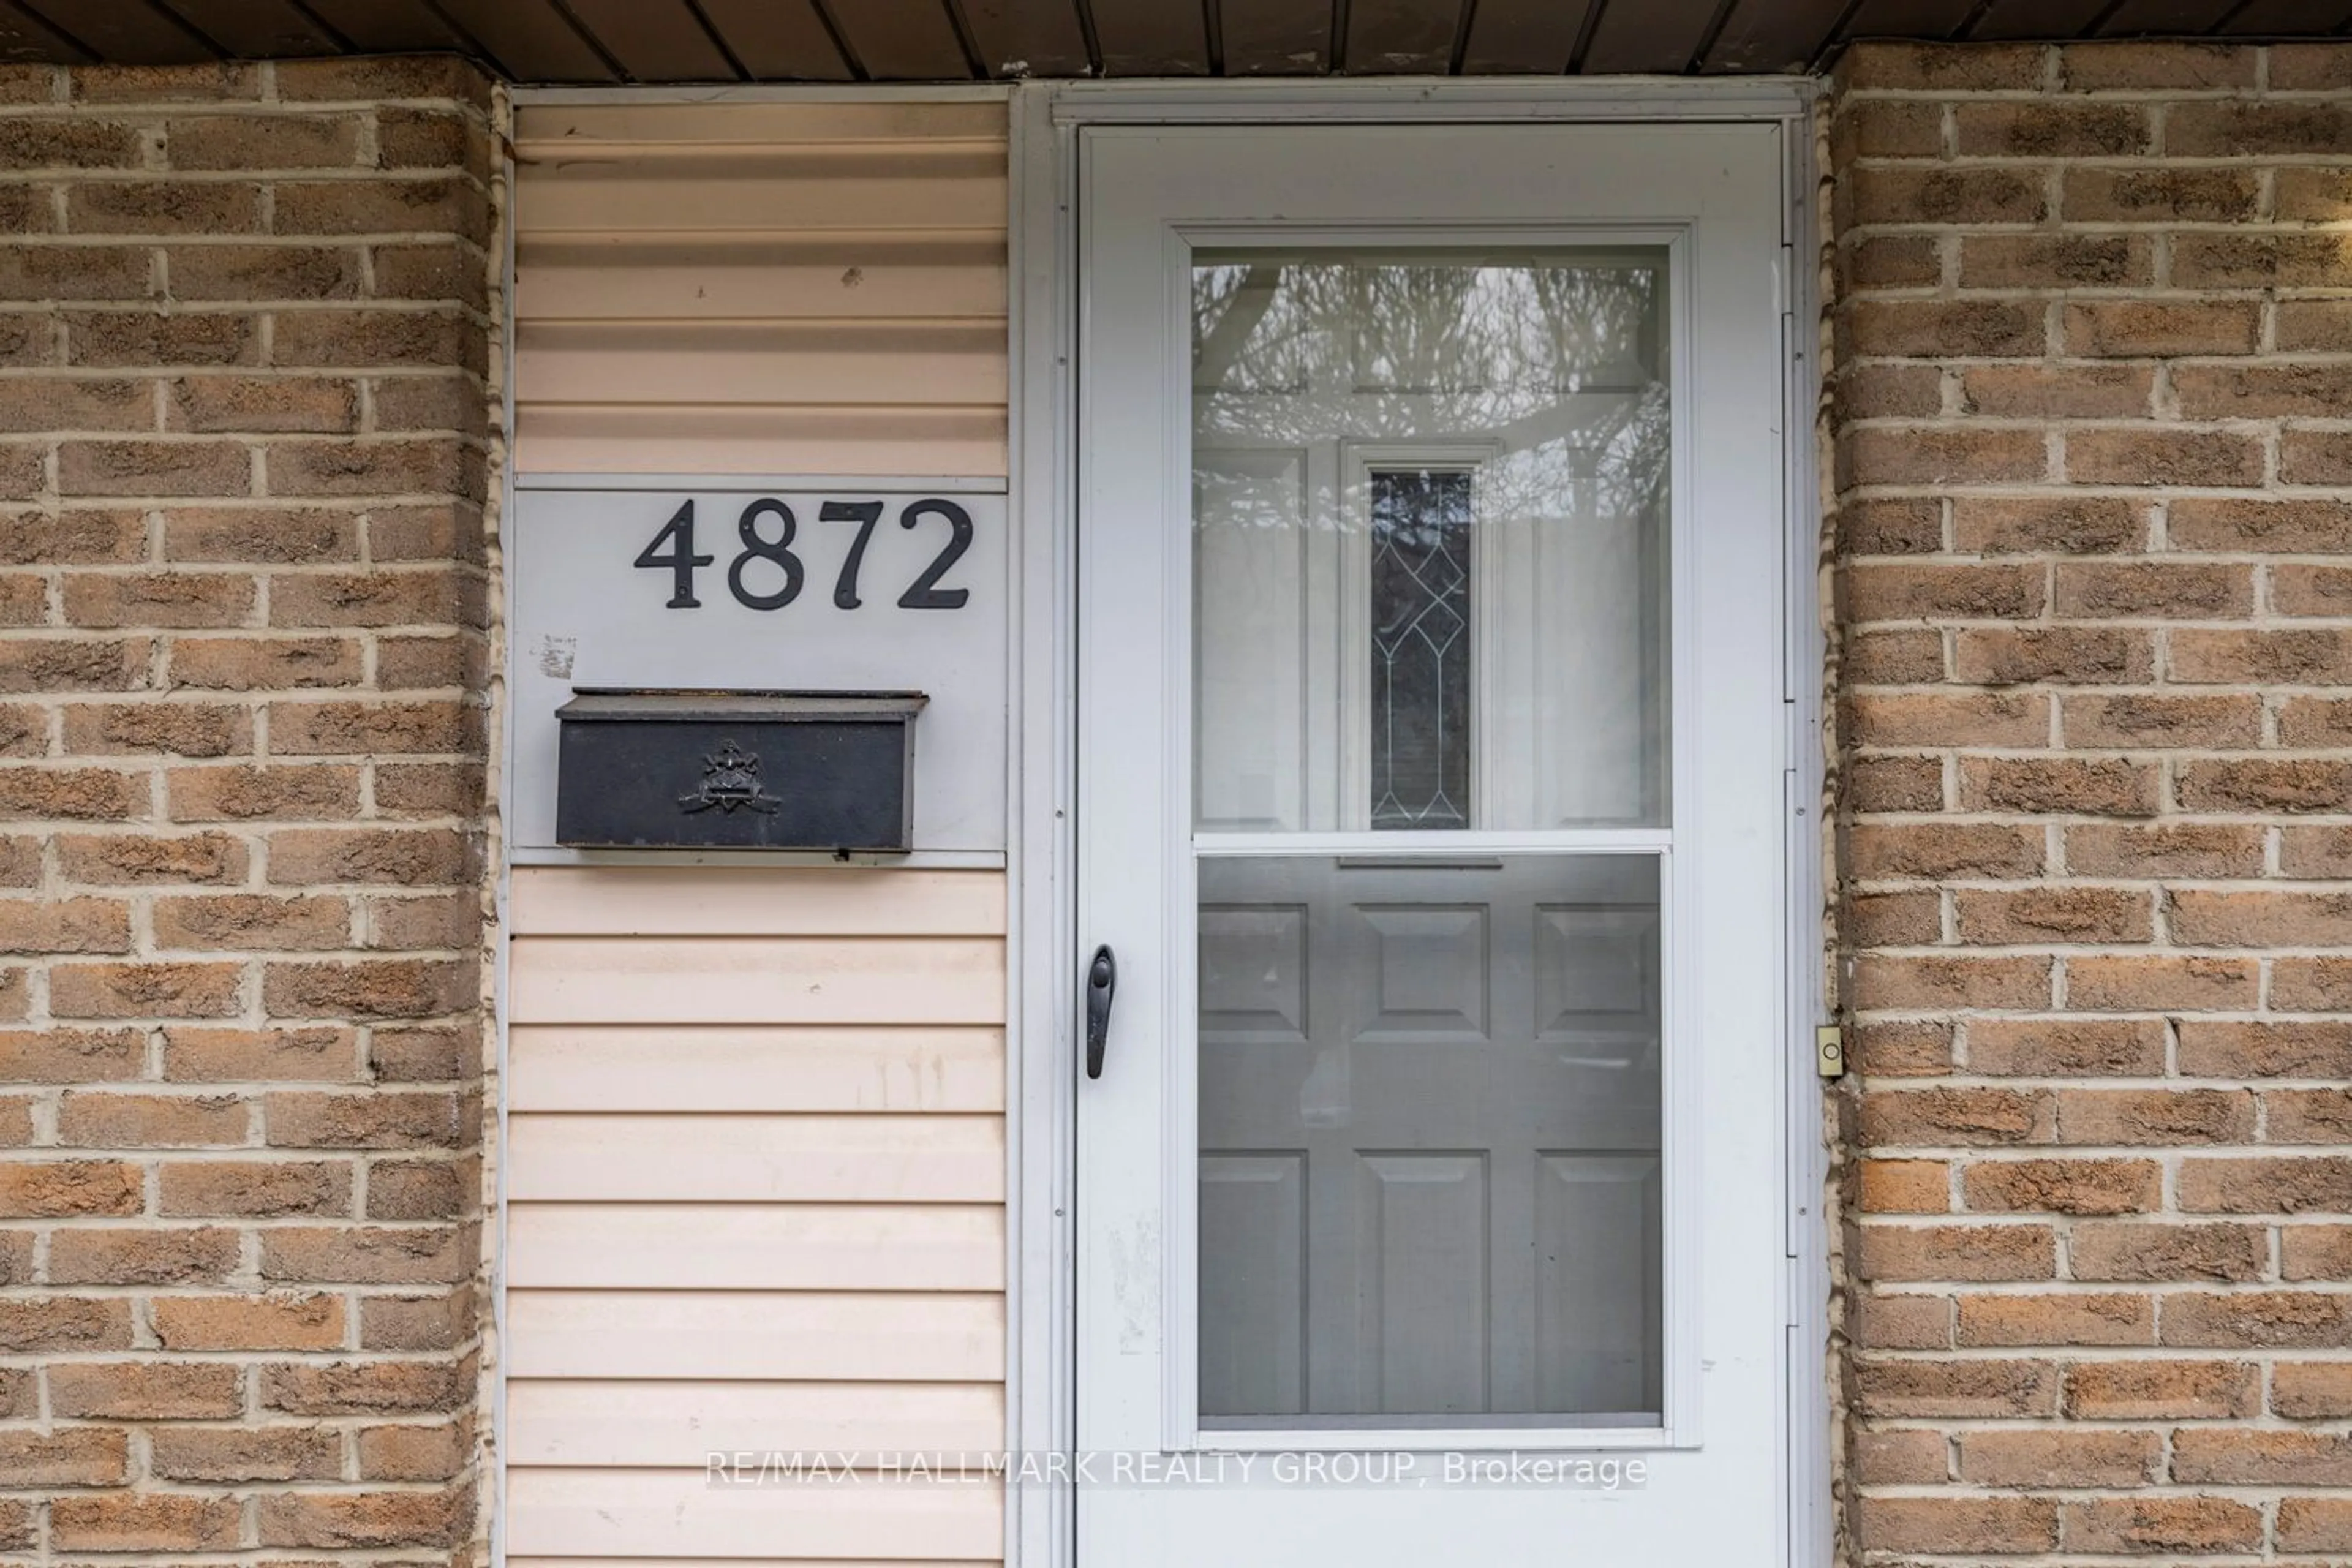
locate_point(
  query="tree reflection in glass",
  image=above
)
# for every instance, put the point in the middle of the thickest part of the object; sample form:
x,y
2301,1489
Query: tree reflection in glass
x,y
1464,460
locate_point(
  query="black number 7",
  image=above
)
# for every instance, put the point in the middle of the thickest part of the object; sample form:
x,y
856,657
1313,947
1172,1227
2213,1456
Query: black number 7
x,y
865,513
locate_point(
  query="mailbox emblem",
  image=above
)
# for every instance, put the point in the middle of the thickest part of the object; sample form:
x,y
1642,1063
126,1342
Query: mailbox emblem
x,y
731,780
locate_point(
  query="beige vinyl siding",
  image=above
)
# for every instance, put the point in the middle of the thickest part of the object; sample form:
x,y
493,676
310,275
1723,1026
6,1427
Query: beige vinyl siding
x,y
756,1178
760,288
756,1161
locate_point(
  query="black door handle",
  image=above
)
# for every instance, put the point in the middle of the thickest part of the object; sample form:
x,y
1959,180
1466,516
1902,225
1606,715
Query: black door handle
x,y
1102,983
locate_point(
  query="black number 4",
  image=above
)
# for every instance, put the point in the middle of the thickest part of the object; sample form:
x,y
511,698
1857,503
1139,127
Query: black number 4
x,y
681,559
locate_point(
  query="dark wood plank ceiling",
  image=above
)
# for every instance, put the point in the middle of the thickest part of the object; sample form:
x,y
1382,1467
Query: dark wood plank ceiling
x,y
964,40
527,40
259,29
389,25
2040,19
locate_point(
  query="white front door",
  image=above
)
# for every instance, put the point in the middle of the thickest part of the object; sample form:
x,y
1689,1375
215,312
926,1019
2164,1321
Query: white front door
x,y
1430,787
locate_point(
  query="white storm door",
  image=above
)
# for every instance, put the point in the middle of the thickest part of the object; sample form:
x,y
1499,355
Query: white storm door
x,y
1430,786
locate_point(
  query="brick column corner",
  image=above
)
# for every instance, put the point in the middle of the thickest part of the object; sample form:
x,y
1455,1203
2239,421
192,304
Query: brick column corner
x,y
249,323
2093,538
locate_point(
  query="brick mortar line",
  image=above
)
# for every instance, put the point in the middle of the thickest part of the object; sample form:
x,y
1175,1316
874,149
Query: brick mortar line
x,y
1994,1080
376,305
1895,1085
1959,365
2097,1355
68,175
2249,559
113,110
2055,93
311,239
2169,420
2100,160
246,239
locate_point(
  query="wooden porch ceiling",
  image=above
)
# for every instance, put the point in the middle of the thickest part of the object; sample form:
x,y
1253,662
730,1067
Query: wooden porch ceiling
x,y
969,41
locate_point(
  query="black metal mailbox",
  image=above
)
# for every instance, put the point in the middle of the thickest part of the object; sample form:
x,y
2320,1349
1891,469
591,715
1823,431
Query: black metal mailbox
x,y
737,769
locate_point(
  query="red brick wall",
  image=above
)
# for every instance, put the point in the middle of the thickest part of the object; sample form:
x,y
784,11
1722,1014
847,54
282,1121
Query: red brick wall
x,y
2093,451
246,316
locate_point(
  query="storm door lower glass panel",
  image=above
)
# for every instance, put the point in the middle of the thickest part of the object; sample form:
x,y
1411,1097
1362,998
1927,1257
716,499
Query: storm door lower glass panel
x,y
1429,1140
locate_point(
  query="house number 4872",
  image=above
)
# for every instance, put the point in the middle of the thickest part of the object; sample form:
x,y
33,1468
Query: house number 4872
x,y
766,574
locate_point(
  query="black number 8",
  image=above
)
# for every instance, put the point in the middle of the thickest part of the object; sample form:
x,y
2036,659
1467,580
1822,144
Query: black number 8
x,y
755,548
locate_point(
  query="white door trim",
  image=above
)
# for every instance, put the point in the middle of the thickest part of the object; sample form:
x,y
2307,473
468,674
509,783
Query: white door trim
x,y
1045,233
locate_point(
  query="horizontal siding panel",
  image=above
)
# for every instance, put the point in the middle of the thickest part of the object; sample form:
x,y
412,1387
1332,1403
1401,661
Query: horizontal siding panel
x,y
703,277
716,439
634,1512
776,980
578,901
899,363
756,1247
755,1335
567,131
756,1158
581,1422
955,188
582,1066
762,289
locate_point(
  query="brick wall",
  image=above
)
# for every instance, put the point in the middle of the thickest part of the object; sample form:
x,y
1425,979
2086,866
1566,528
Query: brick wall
x,y
2093,452
246,316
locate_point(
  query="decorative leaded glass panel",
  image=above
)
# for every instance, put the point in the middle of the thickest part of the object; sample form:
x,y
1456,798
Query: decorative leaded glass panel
x,y
1421,721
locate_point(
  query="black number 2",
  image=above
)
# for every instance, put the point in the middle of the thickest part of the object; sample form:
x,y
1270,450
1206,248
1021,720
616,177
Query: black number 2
x,y
681,559
926,593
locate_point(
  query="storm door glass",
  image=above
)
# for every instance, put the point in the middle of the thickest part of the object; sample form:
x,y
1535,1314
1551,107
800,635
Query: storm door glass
x,y
1430,790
